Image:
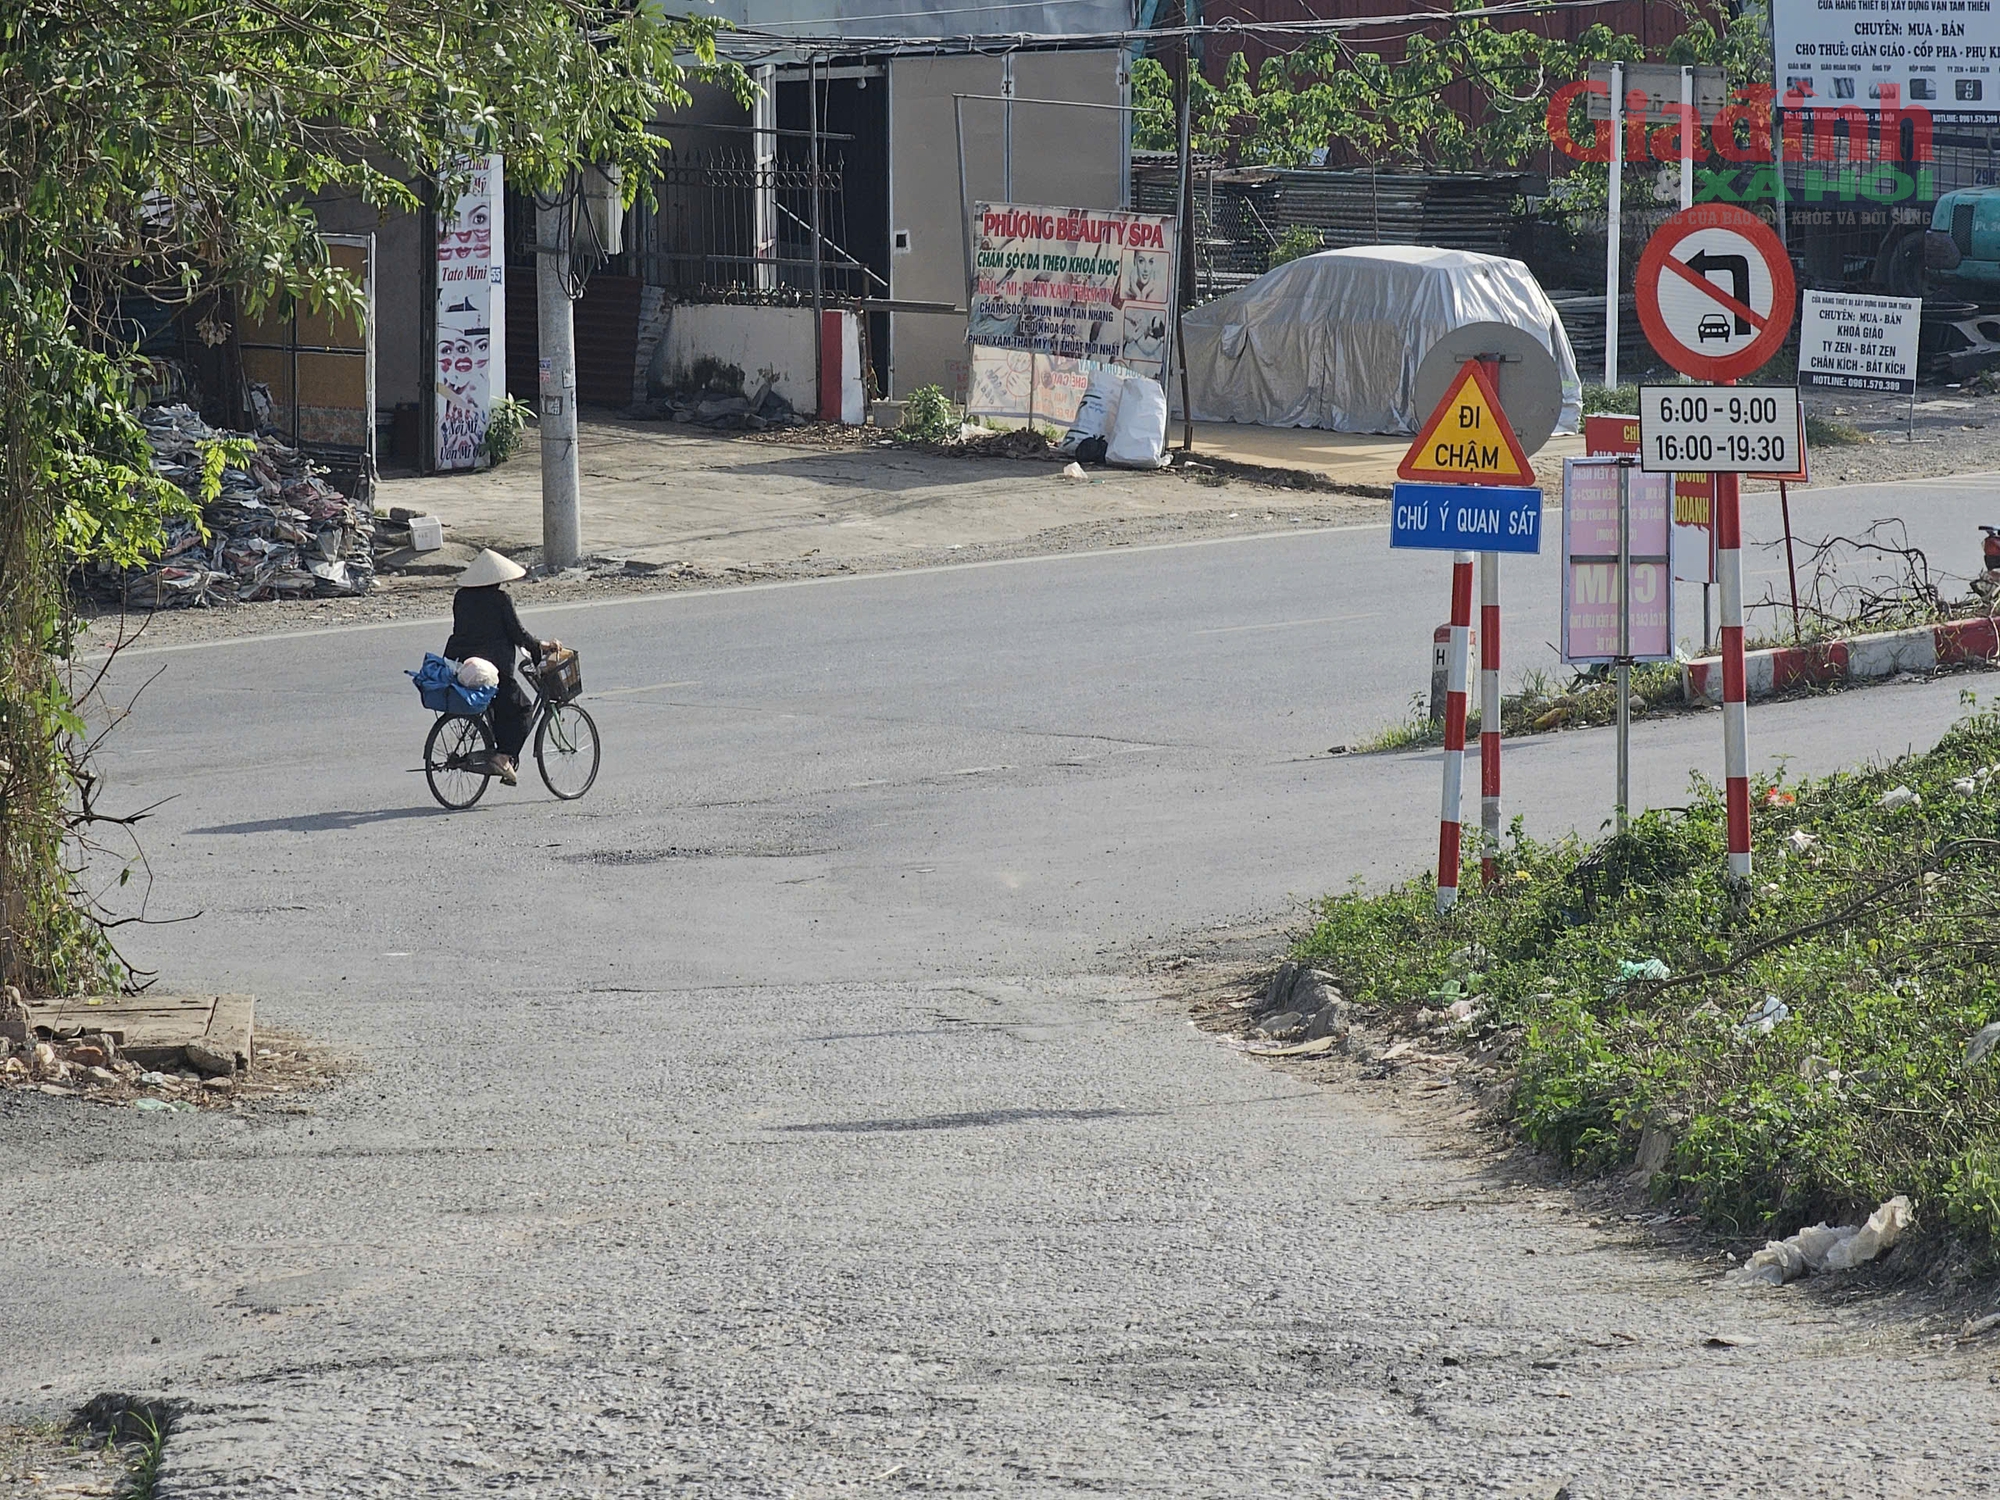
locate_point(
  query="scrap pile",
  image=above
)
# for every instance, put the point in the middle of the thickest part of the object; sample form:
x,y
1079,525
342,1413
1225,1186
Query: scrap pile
x,y
277,530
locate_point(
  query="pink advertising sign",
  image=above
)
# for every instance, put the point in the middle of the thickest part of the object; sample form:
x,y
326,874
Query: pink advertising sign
x,y
1592,597
471,318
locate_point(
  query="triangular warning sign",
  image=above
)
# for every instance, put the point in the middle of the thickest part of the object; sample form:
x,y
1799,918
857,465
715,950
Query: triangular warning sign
x,y
1467,439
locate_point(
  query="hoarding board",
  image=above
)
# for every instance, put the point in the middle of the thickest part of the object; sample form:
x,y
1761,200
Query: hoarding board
x,y
1592,595
1074,283
1940,55
1850,342
471,356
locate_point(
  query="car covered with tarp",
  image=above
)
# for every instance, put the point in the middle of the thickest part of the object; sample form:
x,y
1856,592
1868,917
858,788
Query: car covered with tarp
x,y
1333,340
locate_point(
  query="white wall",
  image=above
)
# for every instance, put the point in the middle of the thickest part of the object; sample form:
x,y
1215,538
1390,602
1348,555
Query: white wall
x,y
758,340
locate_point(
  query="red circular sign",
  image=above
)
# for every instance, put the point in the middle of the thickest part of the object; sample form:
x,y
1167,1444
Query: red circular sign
x,y
1715,292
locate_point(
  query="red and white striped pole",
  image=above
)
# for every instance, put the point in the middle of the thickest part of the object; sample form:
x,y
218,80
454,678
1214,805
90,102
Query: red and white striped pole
x,y
1454,729
1489,717
1735,724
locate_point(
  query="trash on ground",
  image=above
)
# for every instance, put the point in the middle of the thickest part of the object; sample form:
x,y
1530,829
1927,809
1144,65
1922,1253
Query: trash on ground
x,y
1632,972
1801,841
1981,1046
1765,1018
1897,798
1974,1327
1073,470
1823,1248
276,531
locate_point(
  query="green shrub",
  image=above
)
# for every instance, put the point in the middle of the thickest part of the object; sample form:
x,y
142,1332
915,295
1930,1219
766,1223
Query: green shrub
x,y
1879,929
928,417
509,418
1296,243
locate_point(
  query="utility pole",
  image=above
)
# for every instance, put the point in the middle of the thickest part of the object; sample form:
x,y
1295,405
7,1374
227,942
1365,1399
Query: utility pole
x,y
562,511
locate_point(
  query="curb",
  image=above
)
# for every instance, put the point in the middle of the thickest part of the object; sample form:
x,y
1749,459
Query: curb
x,y
1861,658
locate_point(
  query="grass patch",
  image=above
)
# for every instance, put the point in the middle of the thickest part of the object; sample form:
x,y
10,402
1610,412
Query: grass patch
x,y
1827,432
1541,704
1618,976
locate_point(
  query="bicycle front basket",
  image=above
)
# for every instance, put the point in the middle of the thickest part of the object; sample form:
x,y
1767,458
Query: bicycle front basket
x,y
561,676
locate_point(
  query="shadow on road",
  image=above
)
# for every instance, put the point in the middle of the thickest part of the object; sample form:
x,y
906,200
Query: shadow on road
x,y
326,822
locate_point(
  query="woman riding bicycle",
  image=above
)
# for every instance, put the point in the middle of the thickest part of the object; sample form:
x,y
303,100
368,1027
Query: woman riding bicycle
x,y
483,624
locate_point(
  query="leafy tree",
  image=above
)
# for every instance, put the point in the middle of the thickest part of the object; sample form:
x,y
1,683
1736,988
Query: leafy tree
x,y
168,147
1395,112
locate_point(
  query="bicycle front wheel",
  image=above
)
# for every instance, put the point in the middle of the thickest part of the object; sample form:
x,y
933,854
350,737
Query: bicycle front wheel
x,y
566,751
456,760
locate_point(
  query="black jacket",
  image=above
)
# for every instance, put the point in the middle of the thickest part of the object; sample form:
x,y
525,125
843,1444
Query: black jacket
x,y
483,624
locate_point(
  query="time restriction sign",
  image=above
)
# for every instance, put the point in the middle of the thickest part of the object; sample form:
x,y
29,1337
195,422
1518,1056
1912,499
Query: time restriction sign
x,y
1714,289
1720,429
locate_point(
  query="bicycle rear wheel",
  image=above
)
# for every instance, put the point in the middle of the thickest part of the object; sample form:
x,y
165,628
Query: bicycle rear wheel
x,y
566,751
456,758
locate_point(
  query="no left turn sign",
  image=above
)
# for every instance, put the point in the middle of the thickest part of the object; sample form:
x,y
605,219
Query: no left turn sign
x,y
1715,292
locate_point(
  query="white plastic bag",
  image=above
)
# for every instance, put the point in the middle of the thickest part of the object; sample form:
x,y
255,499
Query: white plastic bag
x,y
1139,440
1097,412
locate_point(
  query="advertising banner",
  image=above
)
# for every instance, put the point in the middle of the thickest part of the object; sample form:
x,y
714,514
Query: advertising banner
x,y
1694,498
471,322
1850,342
1592,596
1074,283
1940,55
1016,385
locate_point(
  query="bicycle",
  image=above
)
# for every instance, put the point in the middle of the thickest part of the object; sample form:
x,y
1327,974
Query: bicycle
x,y
458,753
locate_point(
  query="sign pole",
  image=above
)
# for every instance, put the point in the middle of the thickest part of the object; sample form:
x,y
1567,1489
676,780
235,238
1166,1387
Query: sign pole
x,y
1454,732
1489,716
1690,133
1623,667
1735,722
1791,562
1613,224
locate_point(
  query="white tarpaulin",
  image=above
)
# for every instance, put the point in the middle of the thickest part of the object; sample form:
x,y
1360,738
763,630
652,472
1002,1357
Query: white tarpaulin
x,y
1334,340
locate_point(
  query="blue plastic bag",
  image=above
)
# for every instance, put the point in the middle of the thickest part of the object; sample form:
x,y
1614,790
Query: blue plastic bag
x,y
439,688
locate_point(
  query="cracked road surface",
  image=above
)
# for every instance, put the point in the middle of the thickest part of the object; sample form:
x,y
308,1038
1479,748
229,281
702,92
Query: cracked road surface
x,y
785,1119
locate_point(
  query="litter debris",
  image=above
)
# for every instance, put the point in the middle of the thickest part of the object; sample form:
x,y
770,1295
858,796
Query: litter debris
x,y
1631,972
1981,1046
1765,1018
1822,1248
1801,841
276,531
1974,1327
1897,798
1073,470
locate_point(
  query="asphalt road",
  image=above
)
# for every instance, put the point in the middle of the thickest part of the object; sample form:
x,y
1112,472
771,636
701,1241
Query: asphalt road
x,y
790,1117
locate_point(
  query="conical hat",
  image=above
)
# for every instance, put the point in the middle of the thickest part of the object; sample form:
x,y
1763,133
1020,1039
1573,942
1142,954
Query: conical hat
x,y
491,567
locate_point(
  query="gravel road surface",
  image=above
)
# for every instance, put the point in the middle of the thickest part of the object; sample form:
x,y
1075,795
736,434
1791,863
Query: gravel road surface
x,y
786,1118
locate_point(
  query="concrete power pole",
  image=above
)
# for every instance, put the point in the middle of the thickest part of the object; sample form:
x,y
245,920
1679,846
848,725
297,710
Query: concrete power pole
x,y
562,509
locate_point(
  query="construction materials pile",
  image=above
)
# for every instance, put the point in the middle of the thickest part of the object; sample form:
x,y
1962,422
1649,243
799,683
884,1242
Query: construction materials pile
x,y
276,531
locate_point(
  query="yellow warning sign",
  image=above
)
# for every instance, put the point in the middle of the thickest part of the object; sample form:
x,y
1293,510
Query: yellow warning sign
x,y
1467,439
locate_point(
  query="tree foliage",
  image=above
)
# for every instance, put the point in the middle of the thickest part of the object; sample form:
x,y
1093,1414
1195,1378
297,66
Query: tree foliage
x,y
166,148
1404,111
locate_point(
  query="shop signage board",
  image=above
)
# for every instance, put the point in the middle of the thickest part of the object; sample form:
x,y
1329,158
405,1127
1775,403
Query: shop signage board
x,y
1714,290
1466,518
1467,438
1592,593
1940,55
1850,342
1073,283
469,372
1721,429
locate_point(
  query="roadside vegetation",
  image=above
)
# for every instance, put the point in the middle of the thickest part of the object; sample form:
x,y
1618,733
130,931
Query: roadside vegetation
x,y
1541,704
1804,1050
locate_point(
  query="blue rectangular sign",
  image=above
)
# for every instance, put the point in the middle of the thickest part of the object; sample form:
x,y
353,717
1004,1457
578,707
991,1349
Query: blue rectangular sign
x,y
1466,518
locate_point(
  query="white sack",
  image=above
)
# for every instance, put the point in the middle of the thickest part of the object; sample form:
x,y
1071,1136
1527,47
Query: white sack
x,y
1139,439
1097,412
